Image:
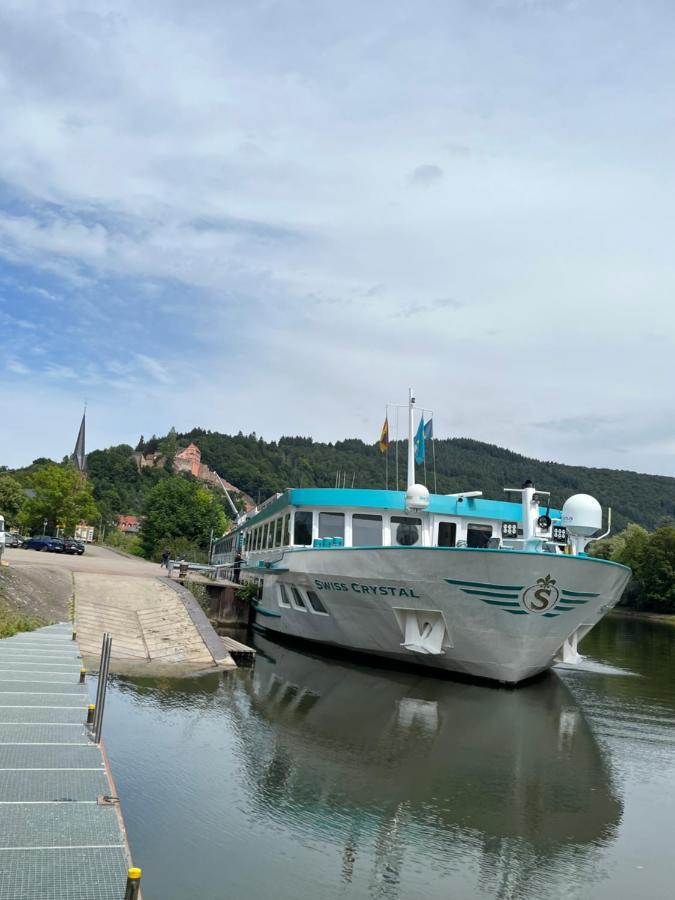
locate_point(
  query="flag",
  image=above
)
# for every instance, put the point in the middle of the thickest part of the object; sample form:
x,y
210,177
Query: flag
x,y
419,443
429,430
384,437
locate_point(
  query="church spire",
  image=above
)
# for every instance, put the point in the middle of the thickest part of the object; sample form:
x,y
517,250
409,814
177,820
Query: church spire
x,y
79,456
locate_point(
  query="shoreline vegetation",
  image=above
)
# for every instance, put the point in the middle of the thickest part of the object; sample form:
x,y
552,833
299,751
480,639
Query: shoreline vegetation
x,y
651,556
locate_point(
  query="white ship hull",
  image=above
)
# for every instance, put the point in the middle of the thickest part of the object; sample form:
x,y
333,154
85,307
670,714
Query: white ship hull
x,y
504,615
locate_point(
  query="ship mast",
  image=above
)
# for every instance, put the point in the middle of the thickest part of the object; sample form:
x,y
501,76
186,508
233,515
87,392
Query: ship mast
x,y
411,436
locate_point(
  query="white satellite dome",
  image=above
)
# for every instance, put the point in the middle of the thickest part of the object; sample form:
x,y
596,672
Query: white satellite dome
x,y
582,515
416,497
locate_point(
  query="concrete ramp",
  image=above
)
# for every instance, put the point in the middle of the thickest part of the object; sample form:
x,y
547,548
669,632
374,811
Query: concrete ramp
x,y
153,629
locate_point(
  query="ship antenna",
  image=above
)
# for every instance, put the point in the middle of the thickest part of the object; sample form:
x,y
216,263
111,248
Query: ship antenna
x,y
411,434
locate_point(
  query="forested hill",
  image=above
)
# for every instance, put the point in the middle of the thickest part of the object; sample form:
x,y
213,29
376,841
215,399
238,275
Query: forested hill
x,y
261,467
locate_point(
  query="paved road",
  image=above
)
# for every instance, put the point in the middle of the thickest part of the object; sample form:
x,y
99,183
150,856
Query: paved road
x,y
96,560
151,628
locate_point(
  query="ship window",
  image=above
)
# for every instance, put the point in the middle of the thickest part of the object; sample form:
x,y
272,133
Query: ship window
x,y
270,535
283,597
478,535
405,531
447,534
316,604
302,528
285,537
277,534
366,531
298,602
331,525
257,538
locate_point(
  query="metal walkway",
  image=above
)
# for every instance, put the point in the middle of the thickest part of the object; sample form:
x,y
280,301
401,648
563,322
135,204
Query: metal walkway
x,y
56,841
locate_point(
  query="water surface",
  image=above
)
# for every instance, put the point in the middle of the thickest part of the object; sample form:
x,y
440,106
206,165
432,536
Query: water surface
x,y
311,777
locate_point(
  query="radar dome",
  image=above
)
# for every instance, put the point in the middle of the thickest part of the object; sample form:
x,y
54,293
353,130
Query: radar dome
x,y
416,497
582,515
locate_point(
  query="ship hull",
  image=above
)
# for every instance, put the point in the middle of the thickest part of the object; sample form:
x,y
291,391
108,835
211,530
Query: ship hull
x,y
497,614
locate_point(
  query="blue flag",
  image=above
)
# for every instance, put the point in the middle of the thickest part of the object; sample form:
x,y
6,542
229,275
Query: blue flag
x,y
429,430
419,443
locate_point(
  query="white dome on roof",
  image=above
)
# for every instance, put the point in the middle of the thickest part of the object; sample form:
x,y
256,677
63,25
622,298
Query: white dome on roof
x,y
582,515
416,497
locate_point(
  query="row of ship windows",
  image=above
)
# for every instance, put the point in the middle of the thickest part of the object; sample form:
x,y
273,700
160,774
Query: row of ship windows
x,y
292,597
366,531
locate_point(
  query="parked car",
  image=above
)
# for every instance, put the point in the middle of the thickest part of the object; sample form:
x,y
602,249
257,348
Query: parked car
x,y
43,542
13,540
70,545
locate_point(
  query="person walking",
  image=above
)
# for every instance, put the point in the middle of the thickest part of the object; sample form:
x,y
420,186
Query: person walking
x,y
165,559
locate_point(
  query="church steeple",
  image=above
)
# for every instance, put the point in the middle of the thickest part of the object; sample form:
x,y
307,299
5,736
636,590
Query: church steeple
x,y
79,456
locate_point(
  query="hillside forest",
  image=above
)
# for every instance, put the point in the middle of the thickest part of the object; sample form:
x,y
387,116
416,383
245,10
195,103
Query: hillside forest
x,y
260,468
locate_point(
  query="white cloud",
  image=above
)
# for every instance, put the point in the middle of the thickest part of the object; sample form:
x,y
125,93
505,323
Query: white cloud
x,y
327,206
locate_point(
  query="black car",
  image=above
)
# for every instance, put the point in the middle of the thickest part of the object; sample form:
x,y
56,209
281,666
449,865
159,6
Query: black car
x,y
43,542
70,545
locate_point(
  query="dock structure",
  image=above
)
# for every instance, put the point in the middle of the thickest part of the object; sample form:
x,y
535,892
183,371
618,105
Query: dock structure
x,y
61,835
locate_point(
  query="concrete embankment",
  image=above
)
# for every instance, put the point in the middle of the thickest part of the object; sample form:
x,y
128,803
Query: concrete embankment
x,y
155,628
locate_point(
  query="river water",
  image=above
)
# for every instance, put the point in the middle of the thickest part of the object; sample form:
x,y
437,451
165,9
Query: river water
x,y
309,778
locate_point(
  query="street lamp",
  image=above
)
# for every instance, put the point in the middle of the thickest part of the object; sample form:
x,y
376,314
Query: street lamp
x,y
44,527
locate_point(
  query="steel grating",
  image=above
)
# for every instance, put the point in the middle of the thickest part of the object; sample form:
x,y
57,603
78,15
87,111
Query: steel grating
x,y
48,677
28,756
58,825
42,686
56,843
93,874
42,714
39,698
40,733
52,786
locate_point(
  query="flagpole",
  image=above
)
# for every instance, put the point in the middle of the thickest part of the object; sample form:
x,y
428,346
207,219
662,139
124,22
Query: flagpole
x,y
411,434
397,448
386,452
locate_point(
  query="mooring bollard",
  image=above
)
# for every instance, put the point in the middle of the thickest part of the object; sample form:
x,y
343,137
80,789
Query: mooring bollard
x,y
74,635
83,672
91,709
133,884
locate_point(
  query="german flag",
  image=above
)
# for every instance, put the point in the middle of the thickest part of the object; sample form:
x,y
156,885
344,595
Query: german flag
x,y
384,437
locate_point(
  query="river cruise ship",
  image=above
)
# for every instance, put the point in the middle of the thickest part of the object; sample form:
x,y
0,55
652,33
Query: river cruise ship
x,y
491,589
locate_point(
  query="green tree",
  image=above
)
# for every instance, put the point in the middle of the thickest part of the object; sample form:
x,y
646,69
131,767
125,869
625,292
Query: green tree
x,y
169,447
61,497
12,498
180,508
655,573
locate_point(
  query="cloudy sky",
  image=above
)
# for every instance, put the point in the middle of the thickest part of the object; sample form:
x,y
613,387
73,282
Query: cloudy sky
x,y
275,216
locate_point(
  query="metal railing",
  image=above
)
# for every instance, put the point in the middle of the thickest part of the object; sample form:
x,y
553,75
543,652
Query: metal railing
x,y
102,687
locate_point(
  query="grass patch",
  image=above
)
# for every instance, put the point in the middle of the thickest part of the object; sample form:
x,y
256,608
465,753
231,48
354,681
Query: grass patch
x,y
12,623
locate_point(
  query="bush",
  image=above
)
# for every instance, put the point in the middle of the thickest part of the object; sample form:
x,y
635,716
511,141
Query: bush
x,y
130,543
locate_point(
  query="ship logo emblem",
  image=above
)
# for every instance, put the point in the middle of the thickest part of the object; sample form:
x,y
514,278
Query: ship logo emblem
x,y
542,596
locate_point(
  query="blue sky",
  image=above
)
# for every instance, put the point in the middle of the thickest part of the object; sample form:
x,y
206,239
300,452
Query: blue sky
x,y
274,217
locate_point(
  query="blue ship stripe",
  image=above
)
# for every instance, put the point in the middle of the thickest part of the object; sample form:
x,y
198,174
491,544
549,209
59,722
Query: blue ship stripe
x,y
500,602
485,584
267,612
516,612
550,615
579,594
490,594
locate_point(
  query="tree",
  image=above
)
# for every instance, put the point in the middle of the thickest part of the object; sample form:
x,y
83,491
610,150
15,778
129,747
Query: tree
x,y
12,498
61,497
180,508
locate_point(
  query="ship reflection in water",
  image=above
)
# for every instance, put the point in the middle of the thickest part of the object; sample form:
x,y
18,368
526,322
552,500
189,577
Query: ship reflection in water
x,y
419,782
